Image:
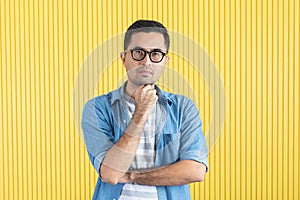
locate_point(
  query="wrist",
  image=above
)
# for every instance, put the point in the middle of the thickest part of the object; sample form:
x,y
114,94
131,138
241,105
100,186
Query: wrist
x,y
131,176
134,129
139,119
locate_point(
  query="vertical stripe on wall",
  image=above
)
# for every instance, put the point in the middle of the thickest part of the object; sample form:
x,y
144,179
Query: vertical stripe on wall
x,y
253,44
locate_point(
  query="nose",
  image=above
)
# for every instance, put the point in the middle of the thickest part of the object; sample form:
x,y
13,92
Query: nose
x,y
146,60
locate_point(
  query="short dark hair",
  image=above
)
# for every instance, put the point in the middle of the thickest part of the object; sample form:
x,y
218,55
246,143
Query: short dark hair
x,y
146,26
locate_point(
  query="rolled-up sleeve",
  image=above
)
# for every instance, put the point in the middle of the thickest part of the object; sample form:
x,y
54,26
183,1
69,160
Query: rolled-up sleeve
x,y
192,142
97,131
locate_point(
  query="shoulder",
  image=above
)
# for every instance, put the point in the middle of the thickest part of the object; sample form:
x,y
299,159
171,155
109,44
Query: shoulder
x,y
97,102
99,105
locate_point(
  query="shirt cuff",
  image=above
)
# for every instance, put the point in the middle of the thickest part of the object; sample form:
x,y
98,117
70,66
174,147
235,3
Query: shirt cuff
x,y
197,156
97,162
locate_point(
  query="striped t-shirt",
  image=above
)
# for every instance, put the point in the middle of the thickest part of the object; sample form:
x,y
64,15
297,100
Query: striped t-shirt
x,y
144,159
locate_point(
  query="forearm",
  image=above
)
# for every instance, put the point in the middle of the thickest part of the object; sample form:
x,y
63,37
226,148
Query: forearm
x,y
182,172
119,158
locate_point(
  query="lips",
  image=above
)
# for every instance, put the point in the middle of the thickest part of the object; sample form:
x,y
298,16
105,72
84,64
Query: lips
x,y
145,72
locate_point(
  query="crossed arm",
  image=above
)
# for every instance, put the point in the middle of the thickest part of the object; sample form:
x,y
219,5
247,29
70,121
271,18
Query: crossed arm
x,y
181,172
114,168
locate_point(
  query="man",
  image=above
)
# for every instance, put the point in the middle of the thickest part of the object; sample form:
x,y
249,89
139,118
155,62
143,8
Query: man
x,y
144,143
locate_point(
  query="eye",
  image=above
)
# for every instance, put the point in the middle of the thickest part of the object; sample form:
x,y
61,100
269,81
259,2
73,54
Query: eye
x,y
139,52
156,53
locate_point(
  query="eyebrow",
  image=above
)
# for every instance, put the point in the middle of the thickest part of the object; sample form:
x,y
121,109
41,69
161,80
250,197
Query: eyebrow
x,y
138,47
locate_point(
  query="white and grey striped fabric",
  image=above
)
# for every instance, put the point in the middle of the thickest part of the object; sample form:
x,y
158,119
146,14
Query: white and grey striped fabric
x,y
144,159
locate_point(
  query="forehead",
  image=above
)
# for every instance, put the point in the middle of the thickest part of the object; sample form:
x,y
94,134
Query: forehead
x,y
152,40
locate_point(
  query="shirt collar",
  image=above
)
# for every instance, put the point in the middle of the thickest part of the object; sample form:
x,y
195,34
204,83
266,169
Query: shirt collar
x,y
119,95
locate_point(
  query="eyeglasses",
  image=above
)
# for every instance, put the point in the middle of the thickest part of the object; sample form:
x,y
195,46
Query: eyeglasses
x,y
155,55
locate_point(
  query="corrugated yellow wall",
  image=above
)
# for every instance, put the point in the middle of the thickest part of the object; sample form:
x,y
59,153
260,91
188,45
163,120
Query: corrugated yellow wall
x,y
255,48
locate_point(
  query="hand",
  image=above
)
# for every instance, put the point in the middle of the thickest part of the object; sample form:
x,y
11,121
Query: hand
x,y
125,178
145,99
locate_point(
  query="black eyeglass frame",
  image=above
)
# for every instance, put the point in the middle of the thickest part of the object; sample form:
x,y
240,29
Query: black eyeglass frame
x,y
146,52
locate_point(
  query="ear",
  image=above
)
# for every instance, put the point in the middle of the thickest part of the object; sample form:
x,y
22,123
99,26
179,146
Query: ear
x,y
166,60
122,56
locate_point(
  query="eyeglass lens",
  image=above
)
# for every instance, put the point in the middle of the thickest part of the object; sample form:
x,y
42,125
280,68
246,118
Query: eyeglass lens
x,y
140,54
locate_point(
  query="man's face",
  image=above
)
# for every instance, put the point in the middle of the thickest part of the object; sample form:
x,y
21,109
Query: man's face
x,y
144,71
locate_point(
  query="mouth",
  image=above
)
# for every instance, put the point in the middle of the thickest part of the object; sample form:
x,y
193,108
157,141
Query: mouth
x,y
145,72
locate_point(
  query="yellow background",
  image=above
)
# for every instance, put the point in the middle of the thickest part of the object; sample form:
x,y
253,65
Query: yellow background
x,y
254,45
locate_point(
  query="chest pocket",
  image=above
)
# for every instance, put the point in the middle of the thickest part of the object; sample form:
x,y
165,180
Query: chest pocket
x,y
169,147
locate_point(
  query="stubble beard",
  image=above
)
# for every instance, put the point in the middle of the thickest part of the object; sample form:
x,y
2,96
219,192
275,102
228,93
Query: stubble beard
x,y
139,79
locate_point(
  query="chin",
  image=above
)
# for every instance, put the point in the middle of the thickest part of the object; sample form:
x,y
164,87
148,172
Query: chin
x,y
143,82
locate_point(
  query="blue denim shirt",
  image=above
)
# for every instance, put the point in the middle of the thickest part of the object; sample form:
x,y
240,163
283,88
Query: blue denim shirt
x,y
179,136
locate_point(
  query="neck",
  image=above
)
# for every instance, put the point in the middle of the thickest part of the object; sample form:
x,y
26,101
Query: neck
x,y
130,89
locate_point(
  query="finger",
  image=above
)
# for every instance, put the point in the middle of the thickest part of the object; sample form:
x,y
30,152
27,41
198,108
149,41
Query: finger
x,y
153,91
148,87
152,95
152,85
